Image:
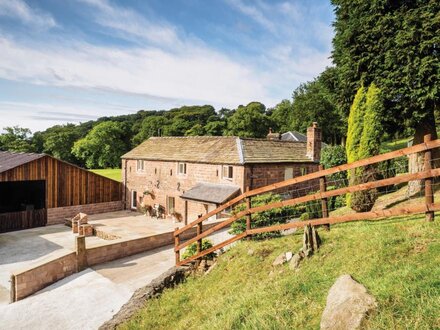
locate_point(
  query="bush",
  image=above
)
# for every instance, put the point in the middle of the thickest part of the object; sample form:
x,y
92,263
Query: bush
x,y
191,250
363,201
264,219
332,156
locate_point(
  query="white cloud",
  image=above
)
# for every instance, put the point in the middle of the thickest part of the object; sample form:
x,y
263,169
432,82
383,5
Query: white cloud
x,y
131,25
254,13
20,10
198,74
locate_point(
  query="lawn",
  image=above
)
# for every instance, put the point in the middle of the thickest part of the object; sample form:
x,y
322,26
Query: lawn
x,y
396,259
111,173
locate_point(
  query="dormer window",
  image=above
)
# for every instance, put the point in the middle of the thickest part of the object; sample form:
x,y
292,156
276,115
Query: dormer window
x,y
228,172
181,168
140,165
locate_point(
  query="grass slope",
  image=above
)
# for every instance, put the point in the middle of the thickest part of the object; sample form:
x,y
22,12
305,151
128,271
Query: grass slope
x,y
111,173
396,259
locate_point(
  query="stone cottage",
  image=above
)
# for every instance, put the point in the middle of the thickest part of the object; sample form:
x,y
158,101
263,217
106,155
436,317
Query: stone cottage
x,y
193,175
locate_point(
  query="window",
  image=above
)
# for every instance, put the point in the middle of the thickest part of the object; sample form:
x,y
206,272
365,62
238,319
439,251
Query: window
x,y
228,172
181,168
303,170
140,165
288,173
133,199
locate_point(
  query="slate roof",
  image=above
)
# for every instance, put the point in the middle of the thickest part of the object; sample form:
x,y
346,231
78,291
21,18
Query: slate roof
x,y
211,193
219,150
9,160
293,136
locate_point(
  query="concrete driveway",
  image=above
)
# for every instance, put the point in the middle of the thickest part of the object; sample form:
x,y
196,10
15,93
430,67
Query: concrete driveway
x,y
86,300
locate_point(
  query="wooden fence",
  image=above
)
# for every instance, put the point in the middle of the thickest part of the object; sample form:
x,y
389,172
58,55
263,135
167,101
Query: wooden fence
x,y
429,207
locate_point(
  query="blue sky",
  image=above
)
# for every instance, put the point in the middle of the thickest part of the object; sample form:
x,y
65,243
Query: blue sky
x,y
76,60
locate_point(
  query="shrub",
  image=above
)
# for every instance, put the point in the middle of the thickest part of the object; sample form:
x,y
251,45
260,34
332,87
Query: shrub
x,y
191,250
264,219
332,156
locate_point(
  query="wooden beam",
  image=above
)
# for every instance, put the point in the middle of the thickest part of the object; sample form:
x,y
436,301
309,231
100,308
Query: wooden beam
x,y
350,217
212,249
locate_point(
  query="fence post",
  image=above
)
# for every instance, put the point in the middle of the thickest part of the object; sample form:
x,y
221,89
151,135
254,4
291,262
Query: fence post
x,y
249,216
176,244
324,201
429,196
199,232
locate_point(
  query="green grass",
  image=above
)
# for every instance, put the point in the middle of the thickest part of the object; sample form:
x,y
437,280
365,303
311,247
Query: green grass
x,y
394,145
111,173
396,259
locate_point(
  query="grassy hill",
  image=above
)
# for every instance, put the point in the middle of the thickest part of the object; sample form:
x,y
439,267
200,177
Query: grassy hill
x,y
396,259
111,173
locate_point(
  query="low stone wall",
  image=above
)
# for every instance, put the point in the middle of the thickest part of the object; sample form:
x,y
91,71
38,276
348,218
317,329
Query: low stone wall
x,y
28,281
124,248
57,215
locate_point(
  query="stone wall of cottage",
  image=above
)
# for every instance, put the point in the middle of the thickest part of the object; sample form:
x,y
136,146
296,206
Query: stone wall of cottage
x,y
259,175
162,179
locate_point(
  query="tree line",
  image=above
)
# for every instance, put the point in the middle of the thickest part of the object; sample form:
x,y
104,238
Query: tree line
x,y
386,57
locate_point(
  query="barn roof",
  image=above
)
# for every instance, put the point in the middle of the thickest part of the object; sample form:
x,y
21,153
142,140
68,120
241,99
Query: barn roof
x,y
219,150
9,160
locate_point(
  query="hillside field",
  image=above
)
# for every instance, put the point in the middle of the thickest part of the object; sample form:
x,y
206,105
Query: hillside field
x,y
111,173
396,259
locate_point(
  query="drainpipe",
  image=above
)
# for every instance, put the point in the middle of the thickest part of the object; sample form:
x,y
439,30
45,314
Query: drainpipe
x,y
125,185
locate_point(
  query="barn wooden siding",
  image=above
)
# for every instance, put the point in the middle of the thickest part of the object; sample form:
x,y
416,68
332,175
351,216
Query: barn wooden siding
x,y
66,184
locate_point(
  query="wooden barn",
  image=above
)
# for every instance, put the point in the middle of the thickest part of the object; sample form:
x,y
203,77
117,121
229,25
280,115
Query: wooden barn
x,y
37,190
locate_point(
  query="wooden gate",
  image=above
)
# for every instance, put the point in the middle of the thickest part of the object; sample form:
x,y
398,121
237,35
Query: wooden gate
x,y
22,220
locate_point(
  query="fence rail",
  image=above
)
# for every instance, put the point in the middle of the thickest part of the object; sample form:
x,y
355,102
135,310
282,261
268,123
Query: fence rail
x,y
323,195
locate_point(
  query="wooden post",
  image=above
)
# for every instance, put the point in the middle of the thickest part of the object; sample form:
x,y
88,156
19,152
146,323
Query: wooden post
x,y
13,290
324,201
249,216
199,232
186,212
176,244
429,196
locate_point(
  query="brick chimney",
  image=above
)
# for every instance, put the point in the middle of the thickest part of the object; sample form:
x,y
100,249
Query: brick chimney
x,y
314,141
273,136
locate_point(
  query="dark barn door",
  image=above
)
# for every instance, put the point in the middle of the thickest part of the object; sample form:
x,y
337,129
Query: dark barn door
x,y
22,205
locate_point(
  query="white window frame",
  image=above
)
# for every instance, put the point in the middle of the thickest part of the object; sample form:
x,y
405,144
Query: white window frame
x,y
140,165
229,172
134,201
185,167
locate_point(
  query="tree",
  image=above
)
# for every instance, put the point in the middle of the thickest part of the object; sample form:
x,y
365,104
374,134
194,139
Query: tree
x,y
196,130
363,141
215,128
151,126
395,44
58,141
249,121
355,125
282,116
102,147
16,139
315,101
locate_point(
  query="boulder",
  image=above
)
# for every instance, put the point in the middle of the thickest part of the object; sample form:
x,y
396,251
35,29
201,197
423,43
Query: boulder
x,y
281,259
295,261
348,304
289,256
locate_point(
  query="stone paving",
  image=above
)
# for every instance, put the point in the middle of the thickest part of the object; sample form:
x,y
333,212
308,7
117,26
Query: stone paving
x,y
84,300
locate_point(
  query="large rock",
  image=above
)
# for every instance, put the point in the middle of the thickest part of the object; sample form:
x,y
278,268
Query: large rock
x,y
348,304
281,259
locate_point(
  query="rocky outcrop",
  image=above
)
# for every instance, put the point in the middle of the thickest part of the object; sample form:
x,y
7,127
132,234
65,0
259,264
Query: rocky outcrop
x,y
168,279
348,304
